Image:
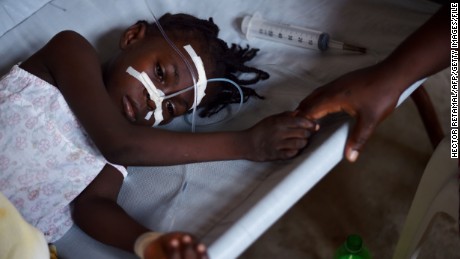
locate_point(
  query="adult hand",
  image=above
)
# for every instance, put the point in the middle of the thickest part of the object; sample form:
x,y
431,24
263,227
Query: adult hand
x,y
369,95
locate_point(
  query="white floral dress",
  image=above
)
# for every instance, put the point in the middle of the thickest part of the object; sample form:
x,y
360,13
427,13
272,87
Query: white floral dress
x,y
46,158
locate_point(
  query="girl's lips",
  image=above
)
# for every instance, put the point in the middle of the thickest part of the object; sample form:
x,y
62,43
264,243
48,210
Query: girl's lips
x,y
128,109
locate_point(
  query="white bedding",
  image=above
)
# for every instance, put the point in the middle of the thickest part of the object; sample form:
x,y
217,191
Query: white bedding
x,y
227,204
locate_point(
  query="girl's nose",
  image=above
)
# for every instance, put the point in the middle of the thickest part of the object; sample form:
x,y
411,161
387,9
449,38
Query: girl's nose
x,y
151,105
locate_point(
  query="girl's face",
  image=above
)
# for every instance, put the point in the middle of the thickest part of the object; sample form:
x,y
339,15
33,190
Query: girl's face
x,y
165,68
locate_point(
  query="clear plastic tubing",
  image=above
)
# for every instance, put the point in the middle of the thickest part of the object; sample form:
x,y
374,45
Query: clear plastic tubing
x,y
257,27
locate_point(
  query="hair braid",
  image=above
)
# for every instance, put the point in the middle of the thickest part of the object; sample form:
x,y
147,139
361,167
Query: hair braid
x,y
229,62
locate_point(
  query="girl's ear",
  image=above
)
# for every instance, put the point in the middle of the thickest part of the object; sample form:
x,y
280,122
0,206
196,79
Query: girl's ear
x,y
133,34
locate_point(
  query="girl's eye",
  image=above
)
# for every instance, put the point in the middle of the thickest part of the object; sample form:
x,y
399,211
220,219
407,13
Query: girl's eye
x,y
159,72
170,108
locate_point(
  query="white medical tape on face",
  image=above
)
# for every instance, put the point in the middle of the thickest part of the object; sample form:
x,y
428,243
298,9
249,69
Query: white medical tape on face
x,y
156,95
202,80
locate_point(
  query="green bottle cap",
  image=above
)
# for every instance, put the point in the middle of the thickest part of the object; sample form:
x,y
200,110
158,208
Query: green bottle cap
x,y
354,243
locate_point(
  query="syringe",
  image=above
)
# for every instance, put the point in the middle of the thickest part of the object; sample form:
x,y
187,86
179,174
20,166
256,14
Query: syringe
x,y
256,26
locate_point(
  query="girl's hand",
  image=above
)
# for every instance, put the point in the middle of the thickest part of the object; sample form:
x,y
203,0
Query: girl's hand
x,y
175,245
279,136
369,95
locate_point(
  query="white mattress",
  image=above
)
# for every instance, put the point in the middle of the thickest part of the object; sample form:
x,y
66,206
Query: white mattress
x,y
228,204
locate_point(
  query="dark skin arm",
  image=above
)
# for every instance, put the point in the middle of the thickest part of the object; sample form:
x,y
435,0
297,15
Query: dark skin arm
x,y
71,63
371,94
98,214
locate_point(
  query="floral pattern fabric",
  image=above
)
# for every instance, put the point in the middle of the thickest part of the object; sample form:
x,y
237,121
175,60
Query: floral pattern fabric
x,y
46,158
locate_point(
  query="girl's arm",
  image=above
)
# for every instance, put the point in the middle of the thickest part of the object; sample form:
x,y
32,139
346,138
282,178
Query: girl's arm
x,y
71,63
97,213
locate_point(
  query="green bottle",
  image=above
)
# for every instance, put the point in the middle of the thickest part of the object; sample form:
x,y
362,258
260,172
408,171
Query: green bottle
x,y
353,248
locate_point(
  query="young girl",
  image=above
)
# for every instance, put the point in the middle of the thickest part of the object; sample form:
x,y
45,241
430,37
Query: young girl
x,y
61,100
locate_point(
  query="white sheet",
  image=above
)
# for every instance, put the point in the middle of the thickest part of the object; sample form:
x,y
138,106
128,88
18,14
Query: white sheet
x,y
229,204
14,12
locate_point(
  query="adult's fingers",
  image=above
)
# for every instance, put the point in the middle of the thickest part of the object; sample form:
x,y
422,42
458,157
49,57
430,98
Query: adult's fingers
x,y
358,137
315,106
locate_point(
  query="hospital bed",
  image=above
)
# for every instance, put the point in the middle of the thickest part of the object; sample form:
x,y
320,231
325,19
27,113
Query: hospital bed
x,y
227,204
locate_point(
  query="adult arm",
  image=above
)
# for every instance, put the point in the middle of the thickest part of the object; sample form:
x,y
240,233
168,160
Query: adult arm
x,y
370,94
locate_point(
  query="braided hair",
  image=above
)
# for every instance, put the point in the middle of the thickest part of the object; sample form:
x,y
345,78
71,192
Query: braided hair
x,y
226,61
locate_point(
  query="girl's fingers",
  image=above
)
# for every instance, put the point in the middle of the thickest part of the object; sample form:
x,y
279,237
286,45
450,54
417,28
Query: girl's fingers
x,y
293,144
173,248
188,248
292,120
185,246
